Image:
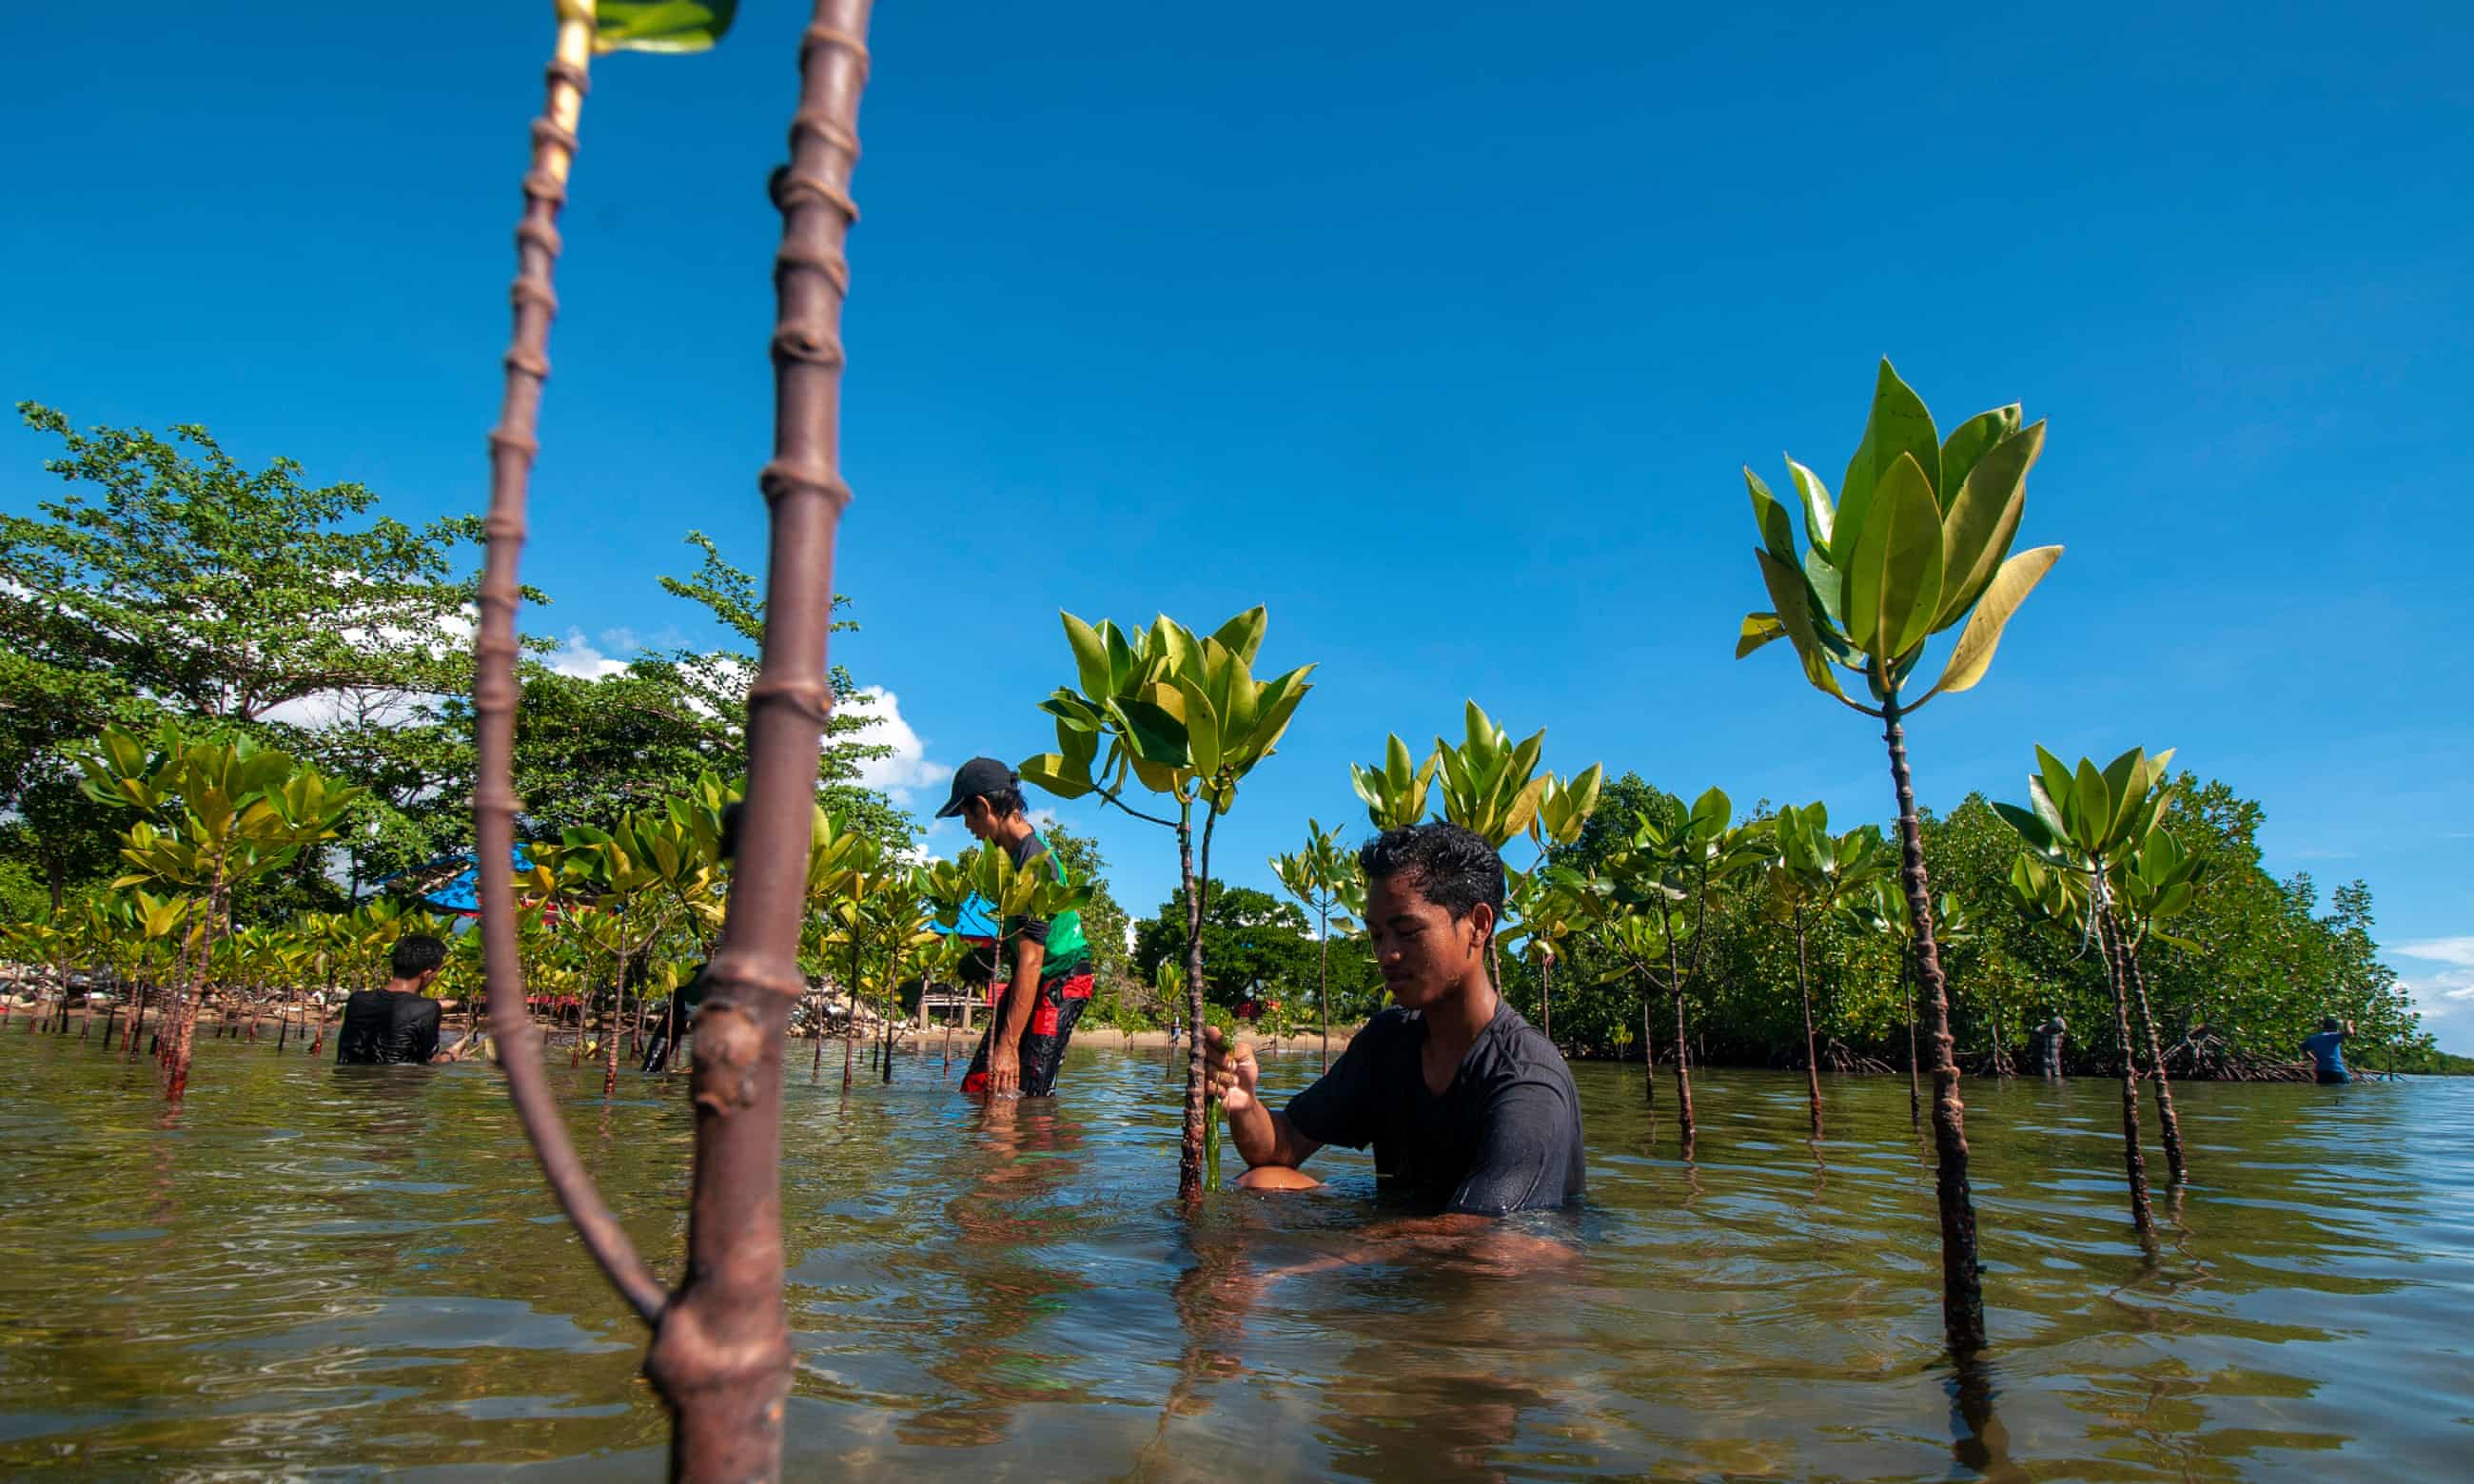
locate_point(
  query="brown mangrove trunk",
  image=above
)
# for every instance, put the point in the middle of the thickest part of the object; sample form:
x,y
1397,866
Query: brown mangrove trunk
x,y
1648,1052
850,1020
1322,986
184,1031
2169,1124
2134,1160
1682,1075
1189,1159
722,1351
1545,999
612,1029
1682,1062
1907,997
1963,1292
1811,1062
512,448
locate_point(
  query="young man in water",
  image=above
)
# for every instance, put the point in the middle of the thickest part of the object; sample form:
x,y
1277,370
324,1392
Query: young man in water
x,y
2048,1038
1471,1111
398,1023
2328,1051
1050,979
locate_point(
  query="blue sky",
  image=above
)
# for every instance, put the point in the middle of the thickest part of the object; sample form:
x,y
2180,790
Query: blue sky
x,y
1443,330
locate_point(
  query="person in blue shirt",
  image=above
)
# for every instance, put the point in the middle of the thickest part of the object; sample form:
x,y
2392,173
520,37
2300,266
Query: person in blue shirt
x,y
2327,1050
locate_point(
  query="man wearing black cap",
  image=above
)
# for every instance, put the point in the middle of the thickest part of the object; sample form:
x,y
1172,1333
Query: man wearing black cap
x,y
1052,965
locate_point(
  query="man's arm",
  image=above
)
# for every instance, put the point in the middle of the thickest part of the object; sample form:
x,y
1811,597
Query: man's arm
x,y
1004,1042
427,1042
1261,1136
1480,1242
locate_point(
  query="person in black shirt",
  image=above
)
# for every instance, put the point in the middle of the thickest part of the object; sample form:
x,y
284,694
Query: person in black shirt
x,y
398,1023
1471,1111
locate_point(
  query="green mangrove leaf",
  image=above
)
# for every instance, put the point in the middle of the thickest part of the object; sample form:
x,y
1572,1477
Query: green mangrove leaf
x,y
1817,510
1794,614
1973,655
1896,424
1777,526
1090,657
1759,629
1969,443
1983,520
1894,583
660,25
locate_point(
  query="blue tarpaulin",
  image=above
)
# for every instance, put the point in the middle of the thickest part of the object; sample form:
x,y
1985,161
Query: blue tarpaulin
x,y
454,882
974,921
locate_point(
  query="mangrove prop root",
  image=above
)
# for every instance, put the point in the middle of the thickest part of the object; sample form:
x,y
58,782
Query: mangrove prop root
x,y
1962,1291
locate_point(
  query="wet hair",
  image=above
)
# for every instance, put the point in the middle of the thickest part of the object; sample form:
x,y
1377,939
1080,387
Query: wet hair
x,y
1004,802
2331,1023
1451,866
416,954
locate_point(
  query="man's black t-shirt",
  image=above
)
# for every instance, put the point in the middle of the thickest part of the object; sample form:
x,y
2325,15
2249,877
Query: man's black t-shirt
x,y
387,1025
1504,1137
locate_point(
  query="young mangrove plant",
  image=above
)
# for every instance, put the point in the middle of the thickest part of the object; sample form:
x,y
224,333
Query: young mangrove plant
x,y
1816,874
214,814
1542,914
1659,886
720,1355
1918,541
1887,916
1186,719
1323,878
2085,824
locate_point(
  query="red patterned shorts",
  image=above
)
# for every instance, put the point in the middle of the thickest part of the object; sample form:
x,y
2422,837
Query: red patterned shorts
x,y
1042,1051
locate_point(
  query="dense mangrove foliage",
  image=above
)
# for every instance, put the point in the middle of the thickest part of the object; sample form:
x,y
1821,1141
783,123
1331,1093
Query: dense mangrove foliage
x,y
138,596
2261,960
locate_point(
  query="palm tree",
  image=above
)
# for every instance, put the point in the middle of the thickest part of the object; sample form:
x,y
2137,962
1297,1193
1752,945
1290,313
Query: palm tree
x,y
1918,541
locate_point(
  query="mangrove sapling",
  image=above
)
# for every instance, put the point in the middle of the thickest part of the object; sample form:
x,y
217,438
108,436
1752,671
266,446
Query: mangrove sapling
x,y
1887,916
214,815
1322,877
2079,827
1675,856
2156,882
1919,541
720,1354
1814,873
1185,718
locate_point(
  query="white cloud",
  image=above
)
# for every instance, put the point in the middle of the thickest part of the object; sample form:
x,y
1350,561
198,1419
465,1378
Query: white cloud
x,y
578,657
2459,950
906,770
621,639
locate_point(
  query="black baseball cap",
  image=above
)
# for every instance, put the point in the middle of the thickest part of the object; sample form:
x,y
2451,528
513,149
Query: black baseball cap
x,y
973,779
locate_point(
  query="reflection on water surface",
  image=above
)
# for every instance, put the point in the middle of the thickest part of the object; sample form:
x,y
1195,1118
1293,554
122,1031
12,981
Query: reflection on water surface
x,y
319,1269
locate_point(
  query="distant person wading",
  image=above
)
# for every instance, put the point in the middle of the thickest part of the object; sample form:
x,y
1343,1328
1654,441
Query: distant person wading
x,y
2328,1051
1050,977
398,1023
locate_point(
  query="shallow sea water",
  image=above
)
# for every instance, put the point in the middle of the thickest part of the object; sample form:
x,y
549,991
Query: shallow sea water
x,y
314,1271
